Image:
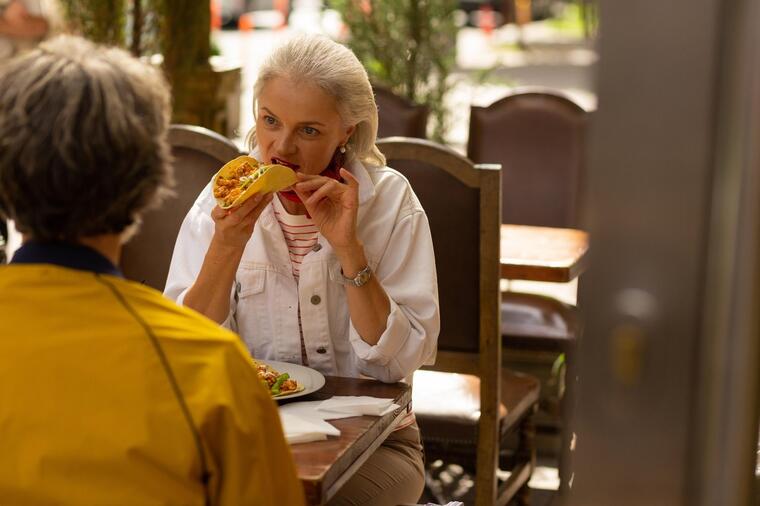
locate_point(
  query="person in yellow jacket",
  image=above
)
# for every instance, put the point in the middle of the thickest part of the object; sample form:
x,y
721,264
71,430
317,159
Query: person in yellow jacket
x,y
110,394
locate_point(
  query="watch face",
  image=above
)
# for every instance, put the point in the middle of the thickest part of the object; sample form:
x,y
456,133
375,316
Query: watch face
x,y
362,278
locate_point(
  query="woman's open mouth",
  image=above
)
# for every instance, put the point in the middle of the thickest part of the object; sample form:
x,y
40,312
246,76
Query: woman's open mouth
x,y
280,161
288,192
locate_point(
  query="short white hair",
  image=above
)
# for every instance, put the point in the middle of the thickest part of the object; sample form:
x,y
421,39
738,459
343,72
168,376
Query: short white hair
x,y
335,70
83,140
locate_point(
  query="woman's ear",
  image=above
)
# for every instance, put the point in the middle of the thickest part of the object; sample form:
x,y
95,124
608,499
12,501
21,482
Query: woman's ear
x,y
349,132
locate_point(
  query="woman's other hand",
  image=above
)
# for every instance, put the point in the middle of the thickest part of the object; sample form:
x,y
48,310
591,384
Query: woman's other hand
x,y
332,205
234,227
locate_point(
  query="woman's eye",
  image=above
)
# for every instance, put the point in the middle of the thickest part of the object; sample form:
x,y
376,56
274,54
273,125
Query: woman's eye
x,y
269,120
311,131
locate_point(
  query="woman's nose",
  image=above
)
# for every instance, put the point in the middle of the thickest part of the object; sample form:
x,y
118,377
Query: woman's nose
x,y
286,144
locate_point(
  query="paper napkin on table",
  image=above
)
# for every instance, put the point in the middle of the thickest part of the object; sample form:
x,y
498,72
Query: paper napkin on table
x,y
314,410
308,410
303,422
302,430
357,405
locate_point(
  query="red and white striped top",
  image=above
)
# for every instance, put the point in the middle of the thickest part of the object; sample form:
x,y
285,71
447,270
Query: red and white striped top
x,y
300,235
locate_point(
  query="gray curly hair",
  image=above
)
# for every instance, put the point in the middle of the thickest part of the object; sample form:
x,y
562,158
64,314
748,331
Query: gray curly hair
x,y
83,140
335,69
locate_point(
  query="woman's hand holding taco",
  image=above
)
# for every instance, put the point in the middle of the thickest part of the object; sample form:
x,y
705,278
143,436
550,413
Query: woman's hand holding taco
x,y
234,227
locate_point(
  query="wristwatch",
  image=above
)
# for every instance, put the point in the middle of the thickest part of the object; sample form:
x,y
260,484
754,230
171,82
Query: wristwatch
x,y
361,278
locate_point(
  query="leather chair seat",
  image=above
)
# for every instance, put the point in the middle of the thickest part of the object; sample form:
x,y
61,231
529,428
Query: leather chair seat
x,y
447,405
537,321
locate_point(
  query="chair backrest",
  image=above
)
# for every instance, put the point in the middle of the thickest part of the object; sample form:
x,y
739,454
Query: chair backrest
x,y
198,153
452,192
462,202
399,116
538,137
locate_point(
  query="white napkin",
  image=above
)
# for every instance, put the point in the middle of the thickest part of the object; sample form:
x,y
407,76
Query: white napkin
x,y
308,410
357,406
302,430
303,422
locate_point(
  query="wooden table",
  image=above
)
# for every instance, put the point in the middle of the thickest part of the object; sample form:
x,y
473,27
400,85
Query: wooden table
x,y
325,466
542,253
556,255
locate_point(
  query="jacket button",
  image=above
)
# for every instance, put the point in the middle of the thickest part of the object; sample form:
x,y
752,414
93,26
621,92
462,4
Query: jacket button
x,y
316,299
316,247
321,349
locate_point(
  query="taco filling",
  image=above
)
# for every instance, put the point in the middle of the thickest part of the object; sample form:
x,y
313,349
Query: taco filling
x,y
229,188
277,384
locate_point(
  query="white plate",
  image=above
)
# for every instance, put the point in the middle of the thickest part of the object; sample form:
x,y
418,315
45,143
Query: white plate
x,y
311,379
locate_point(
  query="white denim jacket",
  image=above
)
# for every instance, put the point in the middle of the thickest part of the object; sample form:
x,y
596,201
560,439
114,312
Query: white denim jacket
x,y
265,298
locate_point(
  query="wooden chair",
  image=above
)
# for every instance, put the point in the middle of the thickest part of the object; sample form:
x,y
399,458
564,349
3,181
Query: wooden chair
x,y
198,153
399,116
469,405
539,138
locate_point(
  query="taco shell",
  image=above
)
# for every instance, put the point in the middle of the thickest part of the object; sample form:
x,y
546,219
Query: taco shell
x,y
231,190
299,388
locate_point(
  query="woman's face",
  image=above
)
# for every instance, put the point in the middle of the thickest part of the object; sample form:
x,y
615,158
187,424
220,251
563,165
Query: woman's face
x,y
297,124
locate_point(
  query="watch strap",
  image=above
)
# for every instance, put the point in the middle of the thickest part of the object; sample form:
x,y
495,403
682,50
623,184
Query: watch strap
x,y
361,278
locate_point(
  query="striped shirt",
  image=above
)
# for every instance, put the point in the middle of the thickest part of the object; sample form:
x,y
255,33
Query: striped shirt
x,y
300,234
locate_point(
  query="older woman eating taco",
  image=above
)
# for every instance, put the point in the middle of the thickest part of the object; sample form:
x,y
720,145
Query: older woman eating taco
x,y
337,272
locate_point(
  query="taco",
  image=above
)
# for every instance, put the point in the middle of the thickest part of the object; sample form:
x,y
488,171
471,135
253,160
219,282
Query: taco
x,y
244,176
279,385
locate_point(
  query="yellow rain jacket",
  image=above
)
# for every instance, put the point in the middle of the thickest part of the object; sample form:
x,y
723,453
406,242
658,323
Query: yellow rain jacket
x,y
110,394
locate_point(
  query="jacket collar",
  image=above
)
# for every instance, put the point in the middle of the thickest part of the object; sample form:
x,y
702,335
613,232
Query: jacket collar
x,y
72,256
366,185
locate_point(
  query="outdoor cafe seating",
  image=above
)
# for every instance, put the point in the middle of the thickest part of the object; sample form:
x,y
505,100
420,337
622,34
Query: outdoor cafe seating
x,y
538,137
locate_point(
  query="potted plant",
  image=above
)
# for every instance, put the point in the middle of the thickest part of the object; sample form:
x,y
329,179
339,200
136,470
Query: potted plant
x,y
407,46
205,90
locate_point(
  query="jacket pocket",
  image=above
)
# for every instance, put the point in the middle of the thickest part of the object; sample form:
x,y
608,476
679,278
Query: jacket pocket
x,y
250,282
252,314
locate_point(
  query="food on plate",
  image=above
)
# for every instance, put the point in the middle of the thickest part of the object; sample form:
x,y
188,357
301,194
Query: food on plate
x,y
279,385
244,176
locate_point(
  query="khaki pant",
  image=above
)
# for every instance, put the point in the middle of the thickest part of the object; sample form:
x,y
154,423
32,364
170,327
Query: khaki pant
x,y
393,475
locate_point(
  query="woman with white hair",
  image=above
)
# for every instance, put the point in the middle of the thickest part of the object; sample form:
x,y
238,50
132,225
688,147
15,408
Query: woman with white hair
x,y
337,273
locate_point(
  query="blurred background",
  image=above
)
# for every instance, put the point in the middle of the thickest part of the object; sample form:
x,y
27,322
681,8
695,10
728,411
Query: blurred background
x,y
467,52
